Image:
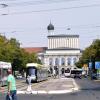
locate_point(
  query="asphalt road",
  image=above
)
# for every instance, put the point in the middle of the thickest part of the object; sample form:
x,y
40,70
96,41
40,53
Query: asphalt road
x,y
48,85
81,95
88,90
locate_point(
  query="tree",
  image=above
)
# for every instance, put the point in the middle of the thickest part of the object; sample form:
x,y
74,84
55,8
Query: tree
x,y
91,53
10,51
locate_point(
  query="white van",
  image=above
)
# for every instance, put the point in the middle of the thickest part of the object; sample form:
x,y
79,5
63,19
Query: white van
x,y
67,72
76,73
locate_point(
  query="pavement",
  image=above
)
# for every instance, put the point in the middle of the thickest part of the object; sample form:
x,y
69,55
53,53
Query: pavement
x,y
56,86
59,89
86,84
68,85
53,86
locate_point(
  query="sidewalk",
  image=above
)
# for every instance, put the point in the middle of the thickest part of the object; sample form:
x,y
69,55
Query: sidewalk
x,y
87,84
53,86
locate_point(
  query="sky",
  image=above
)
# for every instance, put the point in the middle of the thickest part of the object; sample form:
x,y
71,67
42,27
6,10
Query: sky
x,y
27,20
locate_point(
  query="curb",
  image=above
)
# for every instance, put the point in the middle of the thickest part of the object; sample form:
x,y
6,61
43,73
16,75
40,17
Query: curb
x,y
48,92
97,80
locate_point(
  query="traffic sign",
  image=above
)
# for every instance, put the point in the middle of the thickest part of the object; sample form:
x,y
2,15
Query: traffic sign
x,y
97,65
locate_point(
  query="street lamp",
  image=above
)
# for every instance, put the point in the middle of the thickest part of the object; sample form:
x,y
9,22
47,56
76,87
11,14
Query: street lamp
x,y
3,5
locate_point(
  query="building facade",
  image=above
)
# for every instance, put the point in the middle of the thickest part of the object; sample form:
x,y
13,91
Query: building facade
x,y
63,50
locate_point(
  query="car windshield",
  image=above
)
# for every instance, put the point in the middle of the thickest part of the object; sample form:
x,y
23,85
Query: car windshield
x,y
32,71
67,71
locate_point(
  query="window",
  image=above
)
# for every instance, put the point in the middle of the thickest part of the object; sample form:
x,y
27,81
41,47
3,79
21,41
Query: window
x,y
50,61
67,70
4,72
31,71
69,61
62,61
74,60
56,61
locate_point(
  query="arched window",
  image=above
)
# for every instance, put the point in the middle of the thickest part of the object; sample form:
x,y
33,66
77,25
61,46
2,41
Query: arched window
x,y
56,61
62,61
69,61
50,61
74,60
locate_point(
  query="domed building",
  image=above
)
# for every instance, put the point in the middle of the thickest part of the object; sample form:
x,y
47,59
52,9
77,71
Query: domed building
x,y
63,50
50,27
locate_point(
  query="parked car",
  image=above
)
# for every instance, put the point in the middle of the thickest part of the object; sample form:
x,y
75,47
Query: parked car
x,y
67,72
19,76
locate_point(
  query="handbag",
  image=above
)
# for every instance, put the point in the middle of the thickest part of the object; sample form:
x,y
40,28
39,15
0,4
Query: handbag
x,y
8,97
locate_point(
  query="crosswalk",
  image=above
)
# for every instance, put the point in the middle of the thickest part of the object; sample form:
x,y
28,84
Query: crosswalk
x,y
20,84
61,83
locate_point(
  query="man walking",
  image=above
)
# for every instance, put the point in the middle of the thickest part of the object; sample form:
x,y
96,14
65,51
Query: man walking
x,y
29,89
11,95
54,73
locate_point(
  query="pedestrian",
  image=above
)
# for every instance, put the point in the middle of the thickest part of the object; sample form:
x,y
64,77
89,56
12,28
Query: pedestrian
x,y
11,83
54,73
29,89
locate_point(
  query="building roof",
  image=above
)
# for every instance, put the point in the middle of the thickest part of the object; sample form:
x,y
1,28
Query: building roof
x,y
64,35
34,49
64,48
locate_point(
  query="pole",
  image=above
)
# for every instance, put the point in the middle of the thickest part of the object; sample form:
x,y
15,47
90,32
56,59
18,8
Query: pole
x,y
58,71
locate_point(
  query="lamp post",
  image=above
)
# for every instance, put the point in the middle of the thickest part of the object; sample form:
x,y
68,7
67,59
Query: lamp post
x,y
3,5
58,71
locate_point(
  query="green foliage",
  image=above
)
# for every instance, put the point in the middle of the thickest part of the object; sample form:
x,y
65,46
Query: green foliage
x,y
91,53
10,51
79,64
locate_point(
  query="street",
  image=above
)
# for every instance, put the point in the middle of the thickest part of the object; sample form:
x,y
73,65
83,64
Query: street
x,y
45,86
87,90
50,49
81,95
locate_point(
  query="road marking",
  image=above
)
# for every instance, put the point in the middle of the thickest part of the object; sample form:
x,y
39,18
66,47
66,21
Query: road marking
x,y
46,92
76,87
60,91
22,88
41,92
